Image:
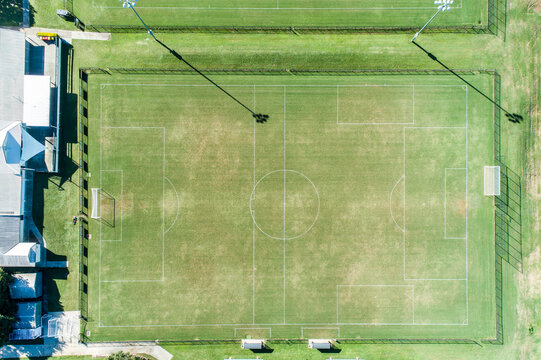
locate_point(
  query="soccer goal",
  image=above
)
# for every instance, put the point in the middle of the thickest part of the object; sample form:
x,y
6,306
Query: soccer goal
x,y
95,204
492,181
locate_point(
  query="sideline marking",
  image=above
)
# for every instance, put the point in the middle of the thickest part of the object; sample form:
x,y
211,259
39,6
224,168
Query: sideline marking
x,y
277,7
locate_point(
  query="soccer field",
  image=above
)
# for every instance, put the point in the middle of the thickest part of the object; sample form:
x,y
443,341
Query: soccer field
x,y
351,13
356,211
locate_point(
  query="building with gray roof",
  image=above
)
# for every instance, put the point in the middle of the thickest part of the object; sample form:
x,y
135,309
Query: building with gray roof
x,y
30,100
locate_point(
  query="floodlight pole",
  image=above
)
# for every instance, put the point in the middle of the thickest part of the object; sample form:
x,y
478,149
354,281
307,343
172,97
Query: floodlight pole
x,y
260,118
440,9
130,5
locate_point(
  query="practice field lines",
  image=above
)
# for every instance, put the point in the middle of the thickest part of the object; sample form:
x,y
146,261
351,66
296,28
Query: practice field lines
x,y
349,209
275,5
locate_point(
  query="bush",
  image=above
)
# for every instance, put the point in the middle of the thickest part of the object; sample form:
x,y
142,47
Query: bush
x,y
125,356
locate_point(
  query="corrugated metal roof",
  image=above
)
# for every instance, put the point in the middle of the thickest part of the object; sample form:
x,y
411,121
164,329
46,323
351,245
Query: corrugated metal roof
x,y
12,48
28,315
22,255
9,232
26,286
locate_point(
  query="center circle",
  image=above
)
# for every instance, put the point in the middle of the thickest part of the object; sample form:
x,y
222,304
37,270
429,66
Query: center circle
x,y
284,204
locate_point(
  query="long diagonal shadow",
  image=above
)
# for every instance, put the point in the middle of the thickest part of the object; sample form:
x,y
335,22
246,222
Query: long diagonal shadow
x,y
513,117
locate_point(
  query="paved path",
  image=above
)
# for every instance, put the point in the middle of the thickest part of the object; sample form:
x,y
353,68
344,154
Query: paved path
x,y
68,34
94,349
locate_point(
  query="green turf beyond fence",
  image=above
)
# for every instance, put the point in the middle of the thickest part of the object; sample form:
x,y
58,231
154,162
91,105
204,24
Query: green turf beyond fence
x,y
479,16
215,218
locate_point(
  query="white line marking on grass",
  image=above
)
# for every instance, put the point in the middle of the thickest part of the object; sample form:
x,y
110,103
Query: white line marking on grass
x,y
319,328
435,279
252,196
413,103
284,239
274,85
391,203
413,304
277,8
163,209
281,324
253,224
404,201
337,104
178,206
467,283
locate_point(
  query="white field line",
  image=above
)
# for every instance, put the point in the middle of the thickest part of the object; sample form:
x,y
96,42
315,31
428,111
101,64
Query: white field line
x,y
319,328
391,203
253,328
273,324
413,304
404,202
253,223
338,104
277,7
281,324
376,285
101,167
467,283
284,239
178,205
413,103
278,85
120,204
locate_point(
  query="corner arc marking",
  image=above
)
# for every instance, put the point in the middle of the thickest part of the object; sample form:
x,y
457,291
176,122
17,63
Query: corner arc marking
x,y
391,203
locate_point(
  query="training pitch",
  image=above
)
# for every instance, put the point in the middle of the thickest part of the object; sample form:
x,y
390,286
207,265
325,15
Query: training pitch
x,y
284,13
357,210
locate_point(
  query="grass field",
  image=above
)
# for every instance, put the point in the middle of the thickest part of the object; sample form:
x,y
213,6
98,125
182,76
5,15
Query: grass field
x,y
356,211
383,13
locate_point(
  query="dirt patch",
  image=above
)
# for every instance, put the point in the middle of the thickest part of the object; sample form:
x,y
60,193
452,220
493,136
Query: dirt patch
x,y
126,204
461,206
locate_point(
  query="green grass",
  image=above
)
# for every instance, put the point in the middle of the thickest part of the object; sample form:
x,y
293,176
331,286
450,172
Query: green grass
x,y
182,168
280,13
44,14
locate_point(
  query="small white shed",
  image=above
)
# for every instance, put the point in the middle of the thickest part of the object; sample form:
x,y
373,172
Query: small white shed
x,y
320,344
253,344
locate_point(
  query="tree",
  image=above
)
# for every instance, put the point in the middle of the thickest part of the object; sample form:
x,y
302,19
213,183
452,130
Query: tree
x,y
7,307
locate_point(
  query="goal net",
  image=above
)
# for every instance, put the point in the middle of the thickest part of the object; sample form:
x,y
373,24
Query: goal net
x,y
492,180
95,204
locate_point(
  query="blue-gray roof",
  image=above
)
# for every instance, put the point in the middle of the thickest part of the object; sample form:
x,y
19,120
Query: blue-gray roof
x,y
9,232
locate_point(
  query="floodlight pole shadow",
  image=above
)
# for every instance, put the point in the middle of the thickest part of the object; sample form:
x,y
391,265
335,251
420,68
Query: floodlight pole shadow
x,y
260,118
431,56
513,117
